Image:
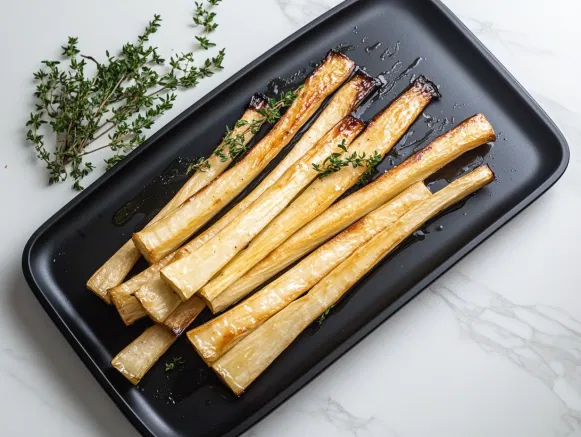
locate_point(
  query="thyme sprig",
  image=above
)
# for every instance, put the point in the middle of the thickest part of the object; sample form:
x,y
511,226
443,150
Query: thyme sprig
x,y
204,17
235,144
173,364
323,316
337,160
200,164
120,100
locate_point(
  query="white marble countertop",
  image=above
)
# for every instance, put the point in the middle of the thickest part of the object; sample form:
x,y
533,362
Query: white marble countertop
x,y
492,349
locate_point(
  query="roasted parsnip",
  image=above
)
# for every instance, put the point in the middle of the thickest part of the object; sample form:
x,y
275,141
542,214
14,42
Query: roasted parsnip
x,y
240,366
164,236
130,309
183,316
136,359
123,296
470,134
158,299
142,353
157,296
217,336
188,274
379,137
116,268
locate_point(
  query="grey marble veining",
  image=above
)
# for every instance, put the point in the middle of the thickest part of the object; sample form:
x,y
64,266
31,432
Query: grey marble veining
x,y
544,341
300,12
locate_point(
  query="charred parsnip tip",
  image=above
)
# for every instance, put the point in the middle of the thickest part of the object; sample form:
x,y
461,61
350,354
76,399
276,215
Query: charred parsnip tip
x,y
183,316
240,366
160,297
163,237
142,353
380,136
468,135
214,338
116,268
188,274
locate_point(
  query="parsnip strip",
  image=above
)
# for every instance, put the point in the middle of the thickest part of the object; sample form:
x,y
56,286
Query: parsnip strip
x,y
468,135
187,275
130,309
380,136
116,268
214,338
129,287
183,316
136,359
239,367
164,236
157,295
157,299
141,354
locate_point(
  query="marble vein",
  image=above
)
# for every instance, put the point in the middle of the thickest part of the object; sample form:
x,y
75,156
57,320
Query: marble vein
x,y
511,40
334,413
543,341
300,12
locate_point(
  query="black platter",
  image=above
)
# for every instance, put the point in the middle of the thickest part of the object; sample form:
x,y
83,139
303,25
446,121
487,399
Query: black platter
x,y
424,38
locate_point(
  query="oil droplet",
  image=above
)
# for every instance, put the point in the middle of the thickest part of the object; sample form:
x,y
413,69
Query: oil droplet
x,y
373,47
355,30
405,138
365,38
440,228
279,84
420,235
156,193
390,52
344,47
386,89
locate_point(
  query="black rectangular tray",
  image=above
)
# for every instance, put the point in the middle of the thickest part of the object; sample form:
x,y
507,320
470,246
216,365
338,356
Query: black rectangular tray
x,y
529,156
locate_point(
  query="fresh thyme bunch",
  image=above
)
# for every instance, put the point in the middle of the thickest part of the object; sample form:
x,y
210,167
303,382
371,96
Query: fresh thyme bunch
x,y
337,160
121,99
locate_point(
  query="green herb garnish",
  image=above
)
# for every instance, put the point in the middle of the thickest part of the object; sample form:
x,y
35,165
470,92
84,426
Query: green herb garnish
x,y
119,98
172,365
337,160
321,319
199,164
236,143
203,17
205,43
371,163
